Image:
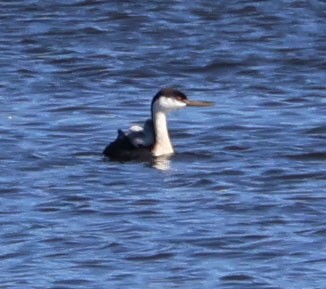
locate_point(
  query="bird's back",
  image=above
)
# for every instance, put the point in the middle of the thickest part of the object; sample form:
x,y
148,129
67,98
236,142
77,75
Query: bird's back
x,y
123,149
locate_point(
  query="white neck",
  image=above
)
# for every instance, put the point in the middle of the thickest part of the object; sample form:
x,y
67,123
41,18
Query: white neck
x,y
160,109
163,145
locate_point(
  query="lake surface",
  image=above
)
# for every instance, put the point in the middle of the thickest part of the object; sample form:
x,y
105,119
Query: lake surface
x,y
241,204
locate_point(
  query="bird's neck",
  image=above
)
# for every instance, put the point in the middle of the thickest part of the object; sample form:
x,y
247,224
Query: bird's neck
x,y
163,145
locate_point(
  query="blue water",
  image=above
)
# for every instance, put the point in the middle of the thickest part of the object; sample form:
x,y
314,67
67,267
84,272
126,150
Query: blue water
x,y
242,202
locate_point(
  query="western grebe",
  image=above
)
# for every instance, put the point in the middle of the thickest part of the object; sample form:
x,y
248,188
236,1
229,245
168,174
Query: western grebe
x,y
151,140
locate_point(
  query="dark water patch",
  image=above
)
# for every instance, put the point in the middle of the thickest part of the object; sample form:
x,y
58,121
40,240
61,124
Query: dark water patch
x,y
68,58
191,156
93,30
237,277
149,258
236,148
296,100
318,131
208,243
233,127
316,261
47,209
71,282
249,283
91,264
146,202
313,156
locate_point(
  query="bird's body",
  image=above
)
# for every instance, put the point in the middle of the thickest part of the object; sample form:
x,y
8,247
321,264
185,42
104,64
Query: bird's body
x,y
152,139
137,143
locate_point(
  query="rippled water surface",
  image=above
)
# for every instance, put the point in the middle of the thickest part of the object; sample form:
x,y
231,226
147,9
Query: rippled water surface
x,y
241,204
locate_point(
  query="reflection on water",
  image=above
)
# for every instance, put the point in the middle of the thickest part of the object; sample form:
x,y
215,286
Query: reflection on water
x,y
162,163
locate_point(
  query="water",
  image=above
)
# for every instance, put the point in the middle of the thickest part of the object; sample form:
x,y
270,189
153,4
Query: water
x,y
241,204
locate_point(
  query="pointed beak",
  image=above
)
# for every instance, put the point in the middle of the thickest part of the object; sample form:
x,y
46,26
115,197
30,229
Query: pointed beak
x,y
198,103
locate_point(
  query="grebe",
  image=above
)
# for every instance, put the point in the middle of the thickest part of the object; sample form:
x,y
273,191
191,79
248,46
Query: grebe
x,y
151,140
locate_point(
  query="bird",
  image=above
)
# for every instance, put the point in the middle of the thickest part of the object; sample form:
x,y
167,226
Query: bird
x,y
151,140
